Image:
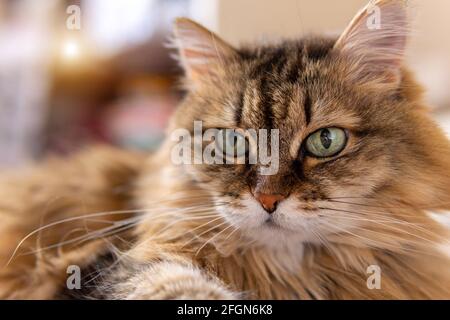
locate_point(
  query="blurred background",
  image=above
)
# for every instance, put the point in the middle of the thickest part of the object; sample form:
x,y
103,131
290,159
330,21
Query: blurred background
x,y
78,72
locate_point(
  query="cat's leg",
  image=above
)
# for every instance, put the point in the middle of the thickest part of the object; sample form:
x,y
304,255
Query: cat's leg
x,y
171,280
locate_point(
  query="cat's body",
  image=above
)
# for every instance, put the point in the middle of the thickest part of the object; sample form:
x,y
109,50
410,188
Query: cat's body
x,y
312,272
196,231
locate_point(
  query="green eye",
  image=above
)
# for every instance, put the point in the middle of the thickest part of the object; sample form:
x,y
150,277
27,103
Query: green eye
x,y
233,144
326,142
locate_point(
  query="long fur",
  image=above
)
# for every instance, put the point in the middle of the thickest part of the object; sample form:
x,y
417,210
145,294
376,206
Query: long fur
x,y
141,227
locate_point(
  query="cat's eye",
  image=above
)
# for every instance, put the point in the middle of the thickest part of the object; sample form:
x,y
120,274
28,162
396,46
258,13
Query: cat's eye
x,y
232,143
327,142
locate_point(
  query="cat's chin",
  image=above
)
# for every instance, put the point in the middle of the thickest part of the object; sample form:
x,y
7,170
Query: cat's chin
x,y
273,236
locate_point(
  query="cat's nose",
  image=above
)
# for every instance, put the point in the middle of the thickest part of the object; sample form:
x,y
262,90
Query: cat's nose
x,y
269,201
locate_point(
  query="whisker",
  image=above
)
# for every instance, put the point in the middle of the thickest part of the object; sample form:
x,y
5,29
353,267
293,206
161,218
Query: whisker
x,y
399,222
383,215
196,236
232,232
212,238
125,254
94,215
87,236
99,214
376,243
365,240
434,206
117,227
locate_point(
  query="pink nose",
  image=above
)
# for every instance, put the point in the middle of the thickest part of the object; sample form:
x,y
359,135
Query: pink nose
x,y
269,201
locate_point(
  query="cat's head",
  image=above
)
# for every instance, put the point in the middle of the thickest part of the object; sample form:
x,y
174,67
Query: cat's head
x,y
347,117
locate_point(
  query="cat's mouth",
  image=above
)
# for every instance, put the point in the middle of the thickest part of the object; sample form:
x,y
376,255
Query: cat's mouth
x,y
272,224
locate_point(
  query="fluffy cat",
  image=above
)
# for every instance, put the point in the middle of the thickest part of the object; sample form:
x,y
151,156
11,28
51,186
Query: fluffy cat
x,y
361,165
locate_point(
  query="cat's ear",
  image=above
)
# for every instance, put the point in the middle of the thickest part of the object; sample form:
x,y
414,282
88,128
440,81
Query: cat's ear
x,y
376,39
201,51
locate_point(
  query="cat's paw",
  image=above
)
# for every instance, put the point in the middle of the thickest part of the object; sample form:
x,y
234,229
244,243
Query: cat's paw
x,y
171,281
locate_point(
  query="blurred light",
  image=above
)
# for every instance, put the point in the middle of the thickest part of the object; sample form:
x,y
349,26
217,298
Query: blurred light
x,y
138,20
70,49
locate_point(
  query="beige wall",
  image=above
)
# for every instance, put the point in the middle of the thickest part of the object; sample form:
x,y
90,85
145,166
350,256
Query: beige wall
x,y
242,20
429,52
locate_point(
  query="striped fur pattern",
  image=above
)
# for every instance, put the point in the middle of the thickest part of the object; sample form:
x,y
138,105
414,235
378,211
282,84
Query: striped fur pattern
x,y
197,232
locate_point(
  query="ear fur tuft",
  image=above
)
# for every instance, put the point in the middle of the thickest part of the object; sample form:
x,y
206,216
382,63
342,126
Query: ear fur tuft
x,y
376,40
200,50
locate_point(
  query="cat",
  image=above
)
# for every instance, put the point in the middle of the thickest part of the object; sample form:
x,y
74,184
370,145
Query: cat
x,y
361,166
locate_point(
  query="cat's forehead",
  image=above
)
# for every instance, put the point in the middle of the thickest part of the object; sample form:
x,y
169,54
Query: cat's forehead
x,y
281,56
294,108
290,86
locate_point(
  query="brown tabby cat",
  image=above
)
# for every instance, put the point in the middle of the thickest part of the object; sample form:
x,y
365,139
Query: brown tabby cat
x,y
361,165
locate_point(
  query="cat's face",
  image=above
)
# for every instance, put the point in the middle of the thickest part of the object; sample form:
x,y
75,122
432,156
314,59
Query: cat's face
x,y
344,127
